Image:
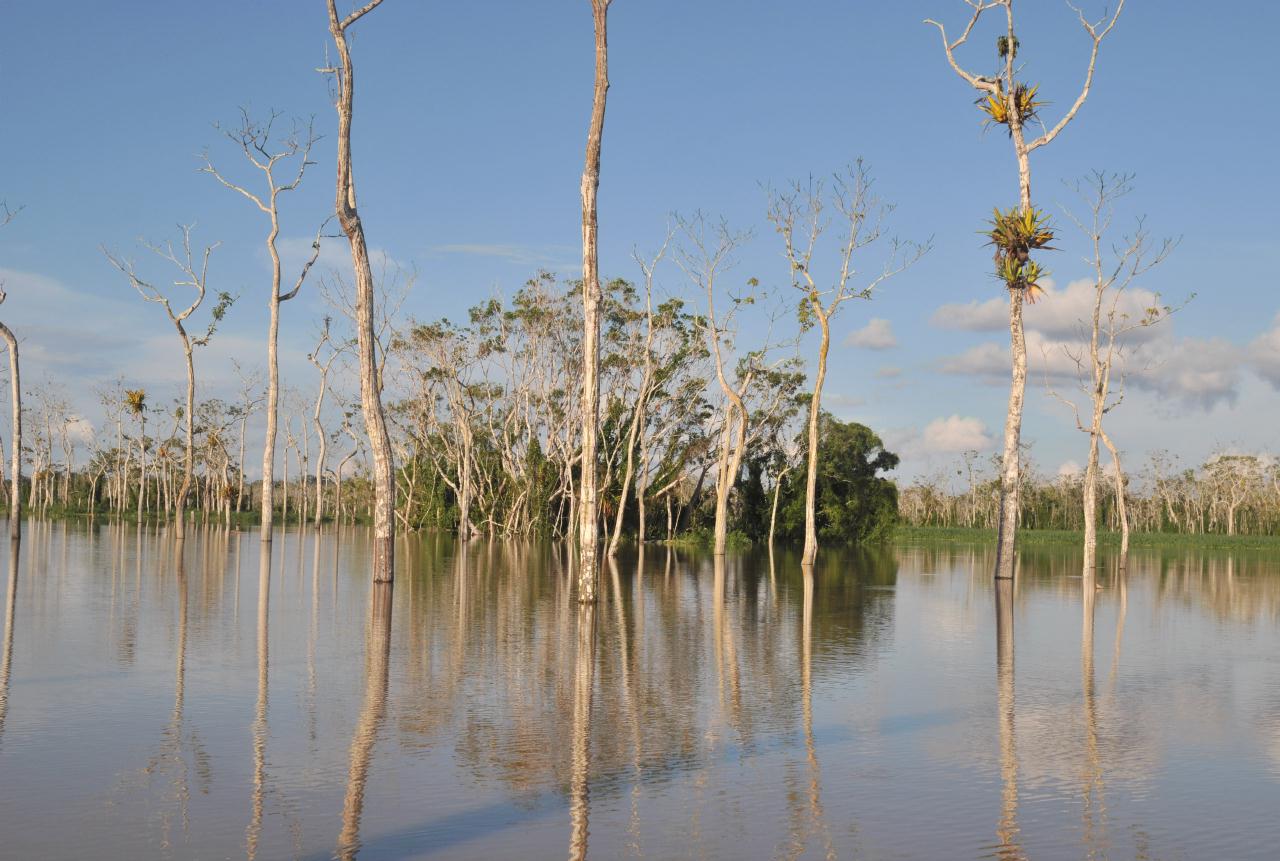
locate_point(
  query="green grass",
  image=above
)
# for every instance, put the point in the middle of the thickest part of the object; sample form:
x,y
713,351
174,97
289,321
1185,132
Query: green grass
x,y
1041,537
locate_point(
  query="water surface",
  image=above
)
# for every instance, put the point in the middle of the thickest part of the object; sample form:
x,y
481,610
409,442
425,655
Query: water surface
x,y
223,703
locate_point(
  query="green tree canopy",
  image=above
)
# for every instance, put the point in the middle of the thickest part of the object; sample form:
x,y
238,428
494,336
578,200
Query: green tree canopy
x,y
853,503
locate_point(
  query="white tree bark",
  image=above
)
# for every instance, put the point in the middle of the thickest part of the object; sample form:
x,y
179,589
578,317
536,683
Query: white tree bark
x,y
589,506
384,521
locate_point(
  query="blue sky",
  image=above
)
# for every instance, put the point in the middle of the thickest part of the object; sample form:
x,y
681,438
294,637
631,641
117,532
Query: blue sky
x,y
470,125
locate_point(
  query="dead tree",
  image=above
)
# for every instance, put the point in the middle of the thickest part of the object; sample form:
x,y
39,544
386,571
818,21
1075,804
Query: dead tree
x,y
384,506
322,365
704,259
797,215
1110,322
639,414
15,388
193,276
266,155
589,507
15,442
1013,104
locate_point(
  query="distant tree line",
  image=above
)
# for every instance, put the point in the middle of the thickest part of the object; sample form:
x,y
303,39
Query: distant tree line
x,y
1229,494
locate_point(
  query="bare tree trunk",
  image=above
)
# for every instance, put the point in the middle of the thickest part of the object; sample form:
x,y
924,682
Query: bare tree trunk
x,y
267,513
1122,507
637,419
15,449
188,461
589,508
1011,467
284,482
773,511
240,479
384,522
142,469
811,478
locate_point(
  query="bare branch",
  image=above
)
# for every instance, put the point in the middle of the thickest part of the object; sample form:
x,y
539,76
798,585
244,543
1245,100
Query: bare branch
x,y
979,82
306,267
1097,36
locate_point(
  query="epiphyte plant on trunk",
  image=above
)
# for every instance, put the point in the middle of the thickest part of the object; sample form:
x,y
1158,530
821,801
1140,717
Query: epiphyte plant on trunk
x,y
1006,101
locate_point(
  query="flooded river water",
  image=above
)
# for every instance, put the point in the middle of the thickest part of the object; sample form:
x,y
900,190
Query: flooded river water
x,y
225,703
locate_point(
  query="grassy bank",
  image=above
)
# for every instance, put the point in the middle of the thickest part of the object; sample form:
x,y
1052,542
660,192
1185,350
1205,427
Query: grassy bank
x,y
1040,537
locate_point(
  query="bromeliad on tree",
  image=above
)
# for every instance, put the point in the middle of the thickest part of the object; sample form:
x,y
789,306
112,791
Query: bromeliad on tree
x,y
1015,234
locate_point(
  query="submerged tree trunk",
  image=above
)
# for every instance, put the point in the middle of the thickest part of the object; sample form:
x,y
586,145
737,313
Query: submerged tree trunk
x,y
1122,507
589,508
1011,467
189,455
142,468
811,476
384,522
267,513
15,443
773,509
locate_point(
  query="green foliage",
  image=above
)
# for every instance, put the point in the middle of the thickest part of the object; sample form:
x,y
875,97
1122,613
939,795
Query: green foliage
x,y
996,105
853,503
1003,43
1015,234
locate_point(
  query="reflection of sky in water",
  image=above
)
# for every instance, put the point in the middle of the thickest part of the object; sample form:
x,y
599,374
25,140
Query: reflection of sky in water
x,y
137,719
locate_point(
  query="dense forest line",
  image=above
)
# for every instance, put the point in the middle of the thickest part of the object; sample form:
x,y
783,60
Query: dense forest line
x,y
480,457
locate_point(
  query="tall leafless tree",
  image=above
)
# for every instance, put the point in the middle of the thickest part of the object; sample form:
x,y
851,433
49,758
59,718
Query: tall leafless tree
x,y
15,389
1012,103
194,270
264,153
15,441
589,507
639,417
797,215
384,518
1109,322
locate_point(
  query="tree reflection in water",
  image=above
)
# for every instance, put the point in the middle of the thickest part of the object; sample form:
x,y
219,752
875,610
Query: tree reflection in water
x,y
584,665
376,668
10,606
1007,830
254,831
703,703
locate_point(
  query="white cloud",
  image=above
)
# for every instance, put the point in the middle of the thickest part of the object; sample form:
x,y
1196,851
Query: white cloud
x,y
888,372
550,256
955,434
1069,469
1264,353
876,335
1059,314
990,360
1189,372
1192,371
989,316
81,430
